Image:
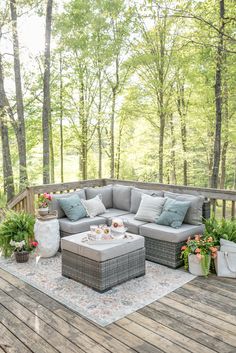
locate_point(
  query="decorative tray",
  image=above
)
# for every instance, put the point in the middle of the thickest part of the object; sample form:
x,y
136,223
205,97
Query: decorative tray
x,y
88,240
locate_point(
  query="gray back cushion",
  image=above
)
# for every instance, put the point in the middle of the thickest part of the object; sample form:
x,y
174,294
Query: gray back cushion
x,y
106,192
55,206
136,195
194,213
121,197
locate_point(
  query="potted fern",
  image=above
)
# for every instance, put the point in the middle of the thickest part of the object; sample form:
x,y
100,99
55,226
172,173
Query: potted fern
x,y
220,229
17,235
197,255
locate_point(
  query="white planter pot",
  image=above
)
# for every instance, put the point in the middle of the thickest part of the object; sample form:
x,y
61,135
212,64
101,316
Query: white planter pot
x,y
195,266
43,211
48,237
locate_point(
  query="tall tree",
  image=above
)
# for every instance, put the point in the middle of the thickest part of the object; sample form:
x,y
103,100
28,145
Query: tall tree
x,y
46,115
61,119
153,57
218,96
182,106
8,179
20,125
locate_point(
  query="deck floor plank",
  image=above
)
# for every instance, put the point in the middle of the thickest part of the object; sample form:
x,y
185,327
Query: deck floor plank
x,y
198,317
9,343
27,336
191,327
211,288
192,339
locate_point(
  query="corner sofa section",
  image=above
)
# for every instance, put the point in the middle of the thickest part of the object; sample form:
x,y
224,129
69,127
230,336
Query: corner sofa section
x,y
163,243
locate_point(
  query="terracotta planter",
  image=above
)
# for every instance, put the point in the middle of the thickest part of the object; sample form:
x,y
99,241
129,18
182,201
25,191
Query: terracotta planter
x,y
22,256
195,265
43,211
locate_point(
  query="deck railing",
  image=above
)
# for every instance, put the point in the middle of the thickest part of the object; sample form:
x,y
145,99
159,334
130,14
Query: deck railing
x,y
222,201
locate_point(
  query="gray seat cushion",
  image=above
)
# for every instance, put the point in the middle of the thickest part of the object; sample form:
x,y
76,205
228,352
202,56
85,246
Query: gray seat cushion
x,y
194,213
121,197
131,223
136,195
112,213
55,206
105,191
82,225
101,252
167,233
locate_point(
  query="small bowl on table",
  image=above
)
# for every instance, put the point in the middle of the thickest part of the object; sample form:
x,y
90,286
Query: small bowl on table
x,y
118,233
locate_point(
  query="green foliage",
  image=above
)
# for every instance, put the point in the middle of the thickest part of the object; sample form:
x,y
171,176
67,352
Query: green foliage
x,y
217,229
16,226
155,43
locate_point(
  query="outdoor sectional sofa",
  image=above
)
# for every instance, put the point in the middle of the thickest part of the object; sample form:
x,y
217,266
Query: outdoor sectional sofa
x,y
163,243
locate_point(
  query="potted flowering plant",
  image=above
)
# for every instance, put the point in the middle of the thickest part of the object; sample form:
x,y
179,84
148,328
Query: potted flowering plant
x,y
17,235
43,203
22,249
197,255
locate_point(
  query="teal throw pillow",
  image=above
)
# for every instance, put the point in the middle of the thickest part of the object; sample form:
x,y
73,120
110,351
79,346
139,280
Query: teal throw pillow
x,y
173,213
73,208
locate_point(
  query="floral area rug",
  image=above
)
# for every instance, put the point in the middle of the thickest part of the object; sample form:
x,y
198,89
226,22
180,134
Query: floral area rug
x,y
105,308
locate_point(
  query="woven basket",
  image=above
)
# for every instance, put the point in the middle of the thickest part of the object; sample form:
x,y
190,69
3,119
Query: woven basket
x,y
22,256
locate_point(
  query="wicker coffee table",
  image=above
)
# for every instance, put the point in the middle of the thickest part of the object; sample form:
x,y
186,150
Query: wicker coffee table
x,y
102,266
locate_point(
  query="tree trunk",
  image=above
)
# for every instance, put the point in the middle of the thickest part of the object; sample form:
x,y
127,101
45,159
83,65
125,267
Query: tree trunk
x,y
173,179
52,161
21,137
218,100
8,179
84,127
182,109
118,157
61,122
161,146
99,125
46,115
112,133
226,137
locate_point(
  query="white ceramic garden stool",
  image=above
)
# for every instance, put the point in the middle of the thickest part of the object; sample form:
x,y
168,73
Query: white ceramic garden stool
x,y
48,237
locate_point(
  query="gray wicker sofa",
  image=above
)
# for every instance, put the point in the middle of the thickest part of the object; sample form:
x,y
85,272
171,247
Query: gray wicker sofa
x,y
163,243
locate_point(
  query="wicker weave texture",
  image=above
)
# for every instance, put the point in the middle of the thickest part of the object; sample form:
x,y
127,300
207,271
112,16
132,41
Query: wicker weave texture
x,y
164,252
103,275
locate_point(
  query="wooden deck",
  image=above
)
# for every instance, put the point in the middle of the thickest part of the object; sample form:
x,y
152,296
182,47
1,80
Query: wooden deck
x,y
199,317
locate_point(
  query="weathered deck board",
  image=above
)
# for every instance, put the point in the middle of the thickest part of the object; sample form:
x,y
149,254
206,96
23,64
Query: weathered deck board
x,y
198,317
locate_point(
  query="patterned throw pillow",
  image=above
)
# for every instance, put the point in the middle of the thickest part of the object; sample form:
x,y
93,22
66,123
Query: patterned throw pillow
x,y
73,207
173,213
94,206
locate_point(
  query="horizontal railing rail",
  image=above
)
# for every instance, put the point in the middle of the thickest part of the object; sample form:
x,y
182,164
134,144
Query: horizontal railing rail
x,y
222,201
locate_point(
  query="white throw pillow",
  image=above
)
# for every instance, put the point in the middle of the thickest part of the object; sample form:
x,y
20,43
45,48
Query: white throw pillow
x,y
94,206
150,208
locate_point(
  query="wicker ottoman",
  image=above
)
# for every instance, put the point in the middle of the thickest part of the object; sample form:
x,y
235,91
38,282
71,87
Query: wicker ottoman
x,y
102,266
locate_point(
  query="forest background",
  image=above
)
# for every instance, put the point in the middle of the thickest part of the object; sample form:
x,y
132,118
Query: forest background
x,y
139,89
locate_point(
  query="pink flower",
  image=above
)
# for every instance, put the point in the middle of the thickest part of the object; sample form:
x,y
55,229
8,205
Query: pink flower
x,y
184,247
213,249
197,251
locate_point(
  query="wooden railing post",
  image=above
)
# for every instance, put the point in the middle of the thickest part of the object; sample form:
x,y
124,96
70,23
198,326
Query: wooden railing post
x,y
30,200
